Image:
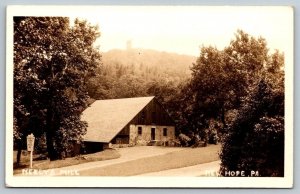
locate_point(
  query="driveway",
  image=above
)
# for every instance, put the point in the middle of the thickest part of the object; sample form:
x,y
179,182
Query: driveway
x,y
127,154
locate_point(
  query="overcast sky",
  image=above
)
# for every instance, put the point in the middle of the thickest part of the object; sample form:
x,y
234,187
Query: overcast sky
x,y
180,29
185,29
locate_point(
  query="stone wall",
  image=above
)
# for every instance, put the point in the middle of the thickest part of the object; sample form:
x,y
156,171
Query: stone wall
x,y
145,137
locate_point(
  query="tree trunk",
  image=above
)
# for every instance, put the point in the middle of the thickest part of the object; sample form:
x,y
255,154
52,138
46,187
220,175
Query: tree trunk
x,y
223,117
19,147
52,154
50,148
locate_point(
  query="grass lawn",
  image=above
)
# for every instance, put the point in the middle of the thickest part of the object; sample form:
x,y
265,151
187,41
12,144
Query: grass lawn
x,y
46,164
178,159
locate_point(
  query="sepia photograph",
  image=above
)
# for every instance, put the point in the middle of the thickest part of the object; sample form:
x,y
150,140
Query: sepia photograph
x,y
149,96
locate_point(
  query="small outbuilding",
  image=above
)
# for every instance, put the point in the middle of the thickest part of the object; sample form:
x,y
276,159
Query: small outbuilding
x,y
129,121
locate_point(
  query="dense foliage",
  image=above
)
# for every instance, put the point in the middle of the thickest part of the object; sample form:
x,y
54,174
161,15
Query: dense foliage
x,y
139,72
220,80
240,92
255,139
236,96
52,61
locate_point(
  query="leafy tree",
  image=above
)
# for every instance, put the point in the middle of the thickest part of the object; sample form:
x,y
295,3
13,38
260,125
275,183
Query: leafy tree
x,y
52,61
220,80
255,138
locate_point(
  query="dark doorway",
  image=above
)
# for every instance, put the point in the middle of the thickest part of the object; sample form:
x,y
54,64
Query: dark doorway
x,y
152,133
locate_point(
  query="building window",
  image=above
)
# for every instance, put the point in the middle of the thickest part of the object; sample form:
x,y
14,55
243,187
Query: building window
x,y
139,130
165,131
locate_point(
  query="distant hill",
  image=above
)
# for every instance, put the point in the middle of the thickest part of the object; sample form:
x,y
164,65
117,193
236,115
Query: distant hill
x,y
140,72
141,58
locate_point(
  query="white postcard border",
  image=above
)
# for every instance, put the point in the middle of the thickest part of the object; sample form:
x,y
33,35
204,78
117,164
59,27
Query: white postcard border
x,y
161,182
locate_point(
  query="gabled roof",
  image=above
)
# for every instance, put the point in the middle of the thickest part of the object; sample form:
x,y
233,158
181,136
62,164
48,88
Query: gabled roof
x,y
106,118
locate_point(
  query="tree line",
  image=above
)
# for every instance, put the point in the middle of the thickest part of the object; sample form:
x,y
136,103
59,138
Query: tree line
x,y
234,95
138,72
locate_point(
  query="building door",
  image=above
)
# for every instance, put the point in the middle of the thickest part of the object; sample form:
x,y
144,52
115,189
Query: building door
x,y
152,133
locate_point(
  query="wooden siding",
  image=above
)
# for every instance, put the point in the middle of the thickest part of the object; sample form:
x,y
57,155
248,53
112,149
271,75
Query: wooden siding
x,y
152,114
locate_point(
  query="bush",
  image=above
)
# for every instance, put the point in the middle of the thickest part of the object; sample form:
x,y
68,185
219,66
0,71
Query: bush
x,y
213,138
255,140
184,140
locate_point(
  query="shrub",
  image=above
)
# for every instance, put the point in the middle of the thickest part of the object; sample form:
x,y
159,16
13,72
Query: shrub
x,y
255,140
184,140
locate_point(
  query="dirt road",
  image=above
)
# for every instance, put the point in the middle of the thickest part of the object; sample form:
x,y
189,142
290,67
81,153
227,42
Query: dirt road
x,y
185,157
207,169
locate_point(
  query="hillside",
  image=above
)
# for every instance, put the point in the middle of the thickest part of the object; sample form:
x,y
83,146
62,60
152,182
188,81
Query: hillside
x,y
140,72
170,63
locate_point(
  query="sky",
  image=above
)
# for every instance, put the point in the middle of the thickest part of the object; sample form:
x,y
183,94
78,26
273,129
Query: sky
x,y
184,29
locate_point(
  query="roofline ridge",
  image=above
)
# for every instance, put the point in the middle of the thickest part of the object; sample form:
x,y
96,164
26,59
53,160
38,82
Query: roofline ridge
x,y
127,98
